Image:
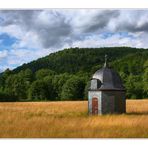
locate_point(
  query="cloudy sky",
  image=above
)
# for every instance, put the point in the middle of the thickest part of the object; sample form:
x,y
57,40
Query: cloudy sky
x,y
26,35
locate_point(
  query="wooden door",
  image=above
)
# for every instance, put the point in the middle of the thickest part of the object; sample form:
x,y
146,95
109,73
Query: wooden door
x,y
94,106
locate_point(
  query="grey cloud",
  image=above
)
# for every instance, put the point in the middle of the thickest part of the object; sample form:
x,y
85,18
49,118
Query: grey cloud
x,y
101,20
18,17
132,27
49,35
55,34
58,30
135,17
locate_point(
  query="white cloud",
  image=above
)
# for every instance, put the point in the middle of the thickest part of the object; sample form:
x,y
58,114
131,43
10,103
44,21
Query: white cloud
x,y
41,32
3,54
25,55
114,40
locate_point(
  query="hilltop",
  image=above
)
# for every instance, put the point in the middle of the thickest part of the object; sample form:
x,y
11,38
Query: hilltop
x,y
64,75
73,60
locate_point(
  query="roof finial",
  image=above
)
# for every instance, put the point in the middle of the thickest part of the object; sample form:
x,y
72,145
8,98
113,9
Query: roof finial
x,y
105,64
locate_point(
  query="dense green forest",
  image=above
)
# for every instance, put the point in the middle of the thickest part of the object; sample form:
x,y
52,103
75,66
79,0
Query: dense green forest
x,y
65,75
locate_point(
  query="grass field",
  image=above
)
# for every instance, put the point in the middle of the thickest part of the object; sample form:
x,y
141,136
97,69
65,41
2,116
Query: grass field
x,y
70,120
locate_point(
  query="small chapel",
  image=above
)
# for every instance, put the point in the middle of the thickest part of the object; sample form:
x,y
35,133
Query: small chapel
x,y
106,94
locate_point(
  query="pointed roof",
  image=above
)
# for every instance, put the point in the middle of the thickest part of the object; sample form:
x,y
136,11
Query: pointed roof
x,y
109,78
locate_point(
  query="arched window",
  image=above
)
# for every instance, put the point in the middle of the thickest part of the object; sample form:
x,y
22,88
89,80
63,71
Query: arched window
x,y
95,84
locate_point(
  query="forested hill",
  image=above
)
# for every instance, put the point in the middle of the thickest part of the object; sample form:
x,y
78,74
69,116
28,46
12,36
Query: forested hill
x,y
78,59
65,75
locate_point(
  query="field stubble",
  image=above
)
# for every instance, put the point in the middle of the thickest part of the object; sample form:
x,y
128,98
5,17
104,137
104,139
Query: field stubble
x,y
70,120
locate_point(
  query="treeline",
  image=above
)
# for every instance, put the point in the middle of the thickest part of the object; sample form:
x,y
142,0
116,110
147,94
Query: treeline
x,y
43,85
133,70
65,75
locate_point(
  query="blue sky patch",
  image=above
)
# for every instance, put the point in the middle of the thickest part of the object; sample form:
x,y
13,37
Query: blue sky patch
x,y
106,35
7,40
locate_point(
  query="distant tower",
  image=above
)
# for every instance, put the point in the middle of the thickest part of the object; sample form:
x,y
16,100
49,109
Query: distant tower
x,y
106,93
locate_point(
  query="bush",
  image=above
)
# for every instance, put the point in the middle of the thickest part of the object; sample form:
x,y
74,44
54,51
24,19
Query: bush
x,y
73,89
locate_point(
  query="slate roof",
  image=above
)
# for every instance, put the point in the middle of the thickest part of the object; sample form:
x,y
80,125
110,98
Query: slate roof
x,y
108,79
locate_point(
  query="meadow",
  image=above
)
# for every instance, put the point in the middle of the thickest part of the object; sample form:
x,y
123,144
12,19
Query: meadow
x,y
70,119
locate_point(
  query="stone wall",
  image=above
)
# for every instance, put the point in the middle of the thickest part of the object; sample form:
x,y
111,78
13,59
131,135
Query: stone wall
x,y
96,94
108,101
113,102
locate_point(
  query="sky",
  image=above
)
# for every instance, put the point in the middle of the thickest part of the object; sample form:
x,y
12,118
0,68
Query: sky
x,y
27,35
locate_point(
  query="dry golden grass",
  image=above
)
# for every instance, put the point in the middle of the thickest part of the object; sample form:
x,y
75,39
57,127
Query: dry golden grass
x,y
70,119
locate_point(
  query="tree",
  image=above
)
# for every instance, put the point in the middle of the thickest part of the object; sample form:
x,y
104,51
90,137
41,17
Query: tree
x,y
134,87
123,77
145,78
41,90
3,78
58,82
7,72
87,86
5,97
15,86
40,74
38,91
51,92
18,84
28,76
73,89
